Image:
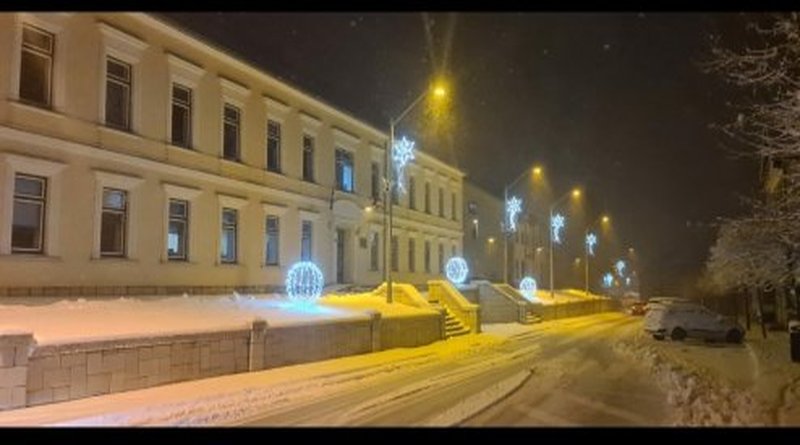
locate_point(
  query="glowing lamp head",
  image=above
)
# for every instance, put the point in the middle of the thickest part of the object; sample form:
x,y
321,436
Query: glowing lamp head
x,y
304,283
491,240
439,91
368,209
456,270
537,170
527,286
606,219
576,193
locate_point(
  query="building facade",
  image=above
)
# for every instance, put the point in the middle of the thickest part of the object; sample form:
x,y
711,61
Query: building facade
x,y
136,156
484,243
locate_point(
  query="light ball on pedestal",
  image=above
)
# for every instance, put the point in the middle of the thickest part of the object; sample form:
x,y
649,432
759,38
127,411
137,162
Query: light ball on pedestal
x,y
527,286
304,283
456,270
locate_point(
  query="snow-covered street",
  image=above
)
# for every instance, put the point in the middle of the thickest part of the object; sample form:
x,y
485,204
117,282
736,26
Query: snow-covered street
x,y
595,370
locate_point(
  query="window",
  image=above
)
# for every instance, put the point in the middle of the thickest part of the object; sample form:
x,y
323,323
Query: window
x,y
412,253
441,258
441,202
230,139
273,146
118,94
412,193
113,222
373,252
305,241
308,158
427,197
344,170
453,252
273,241
178,230
36,68
181,116
228,240
395,254
453,206
27,228
427,257
376,181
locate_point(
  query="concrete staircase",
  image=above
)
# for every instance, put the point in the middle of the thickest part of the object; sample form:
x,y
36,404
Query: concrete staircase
x,y
531,318
453,327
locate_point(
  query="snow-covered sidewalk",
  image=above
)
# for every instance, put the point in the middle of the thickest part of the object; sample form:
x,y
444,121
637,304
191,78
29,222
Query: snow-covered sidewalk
x,y
83,320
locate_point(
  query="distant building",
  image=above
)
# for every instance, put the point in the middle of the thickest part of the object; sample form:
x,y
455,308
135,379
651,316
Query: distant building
x,y
138,159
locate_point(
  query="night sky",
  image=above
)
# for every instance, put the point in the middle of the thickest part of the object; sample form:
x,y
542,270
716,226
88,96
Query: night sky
x,y
615,102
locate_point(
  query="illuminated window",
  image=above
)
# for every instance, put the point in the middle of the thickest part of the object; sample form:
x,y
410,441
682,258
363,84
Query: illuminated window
x,y
373,252
427,257
412,253
229,235
178,230
344,170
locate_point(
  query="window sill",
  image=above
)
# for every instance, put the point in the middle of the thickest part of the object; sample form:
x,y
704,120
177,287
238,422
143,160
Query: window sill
x,y
16,103
275,172
180,262
230,265
129,134
30,257
113,259
232,161
270,266
181,147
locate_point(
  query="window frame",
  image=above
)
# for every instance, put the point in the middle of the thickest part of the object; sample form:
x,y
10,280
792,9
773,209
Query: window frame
x,y
226,105
307,165
303,224
278,141
189,108
51,56
277,240
223,228
341,155
185,219
123,253
41,200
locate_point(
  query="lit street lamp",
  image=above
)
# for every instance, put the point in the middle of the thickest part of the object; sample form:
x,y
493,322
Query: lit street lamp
x,y
590,240
405,149
556,223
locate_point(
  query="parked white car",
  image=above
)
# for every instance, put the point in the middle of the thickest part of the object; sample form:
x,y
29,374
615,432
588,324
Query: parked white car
x,y
681,320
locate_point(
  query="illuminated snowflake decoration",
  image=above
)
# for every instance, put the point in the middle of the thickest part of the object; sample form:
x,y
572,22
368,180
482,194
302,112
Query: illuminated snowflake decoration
x,y
556,224
304,283
456,270
591,241
608,280
620,267
528,288
513,207
402,154
628,281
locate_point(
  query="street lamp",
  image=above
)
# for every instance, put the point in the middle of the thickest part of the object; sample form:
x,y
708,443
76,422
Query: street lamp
x,y
590,239
390,185
575,194
509,228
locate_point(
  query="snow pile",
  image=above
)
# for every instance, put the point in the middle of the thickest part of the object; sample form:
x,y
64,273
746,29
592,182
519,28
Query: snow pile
x,y
370,301
700,399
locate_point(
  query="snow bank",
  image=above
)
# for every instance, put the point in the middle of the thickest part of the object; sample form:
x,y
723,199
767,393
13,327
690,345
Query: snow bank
x,y
699,398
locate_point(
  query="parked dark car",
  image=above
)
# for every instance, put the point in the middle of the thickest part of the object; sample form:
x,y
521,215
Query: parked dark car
x,y
637,308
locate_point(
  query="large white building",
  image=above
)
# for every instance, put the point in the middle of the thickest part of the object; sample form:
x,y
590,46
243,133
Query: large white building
x,y
137,159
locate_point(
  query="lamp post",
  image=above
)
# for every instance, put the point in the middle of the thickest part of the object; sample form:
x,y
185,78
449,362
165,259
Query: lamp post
x,y
537,170
575,193
391,185
589,248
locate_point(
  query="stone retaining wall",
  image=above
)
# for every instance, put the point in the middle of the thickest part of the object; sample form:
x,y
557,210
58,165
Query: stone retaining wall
x,y
31,375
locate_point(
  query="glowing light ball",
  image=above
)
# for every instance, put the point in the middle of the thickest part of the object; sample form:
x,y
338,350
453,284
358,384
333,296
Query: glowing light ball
x,y
528,287
304,283
456,270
